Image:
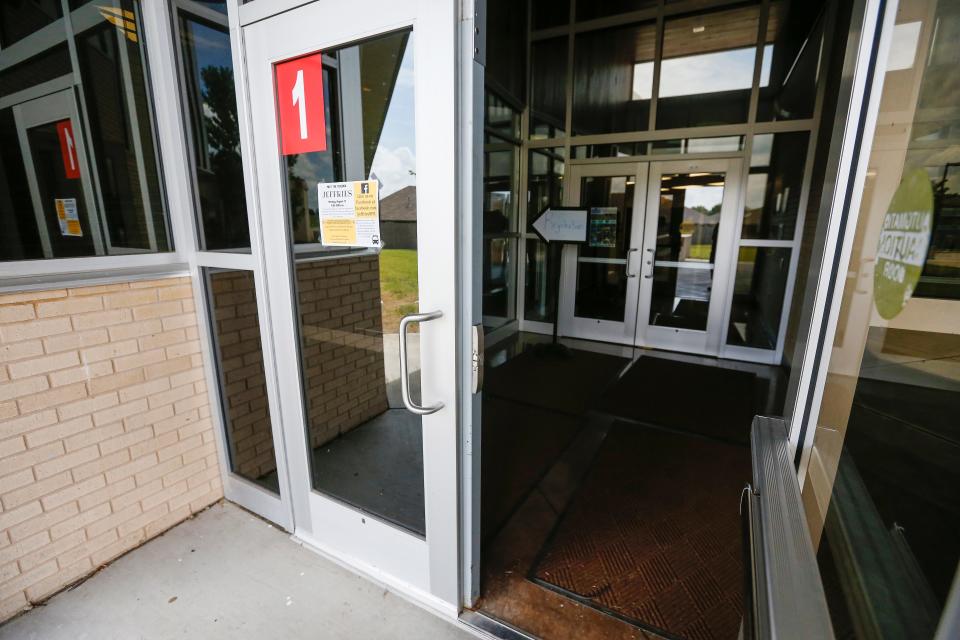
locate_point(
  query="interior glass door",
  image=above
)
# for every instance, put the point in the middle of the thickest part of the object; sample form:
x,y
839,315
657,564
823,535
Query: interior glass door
x,y
687,249
362,308
599,283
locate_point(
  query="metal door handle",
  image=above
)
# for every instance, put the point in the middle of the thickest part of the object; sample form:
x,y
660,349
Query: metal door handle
x,y
629,253
408,402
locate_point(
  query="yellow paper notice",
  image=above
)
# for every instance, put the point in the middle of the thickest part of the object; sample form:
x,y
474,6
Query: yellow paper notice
x,y
349,213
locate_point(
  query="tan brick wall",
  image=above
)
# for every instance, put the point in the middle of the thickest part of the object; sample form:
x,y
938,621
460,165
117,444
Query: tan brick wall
x,y
237,335
341,329
105,431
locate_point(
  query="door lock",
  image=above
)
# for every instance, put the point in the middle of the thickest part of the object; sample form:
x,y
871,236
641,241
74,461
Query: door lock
x,y
476,358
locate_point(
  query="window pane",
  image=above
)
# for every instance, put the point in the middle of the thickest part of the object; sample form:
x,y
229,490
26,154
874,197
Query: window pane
x,y
80,169
500,117
540,289
707,68
365,448
792,53
549,13
548,87
499,278
613,79
215,134
20,19
687,224
500,188
114,79
591,10
611,150
758,291
881,492
238,354
772,202
717,144
545,182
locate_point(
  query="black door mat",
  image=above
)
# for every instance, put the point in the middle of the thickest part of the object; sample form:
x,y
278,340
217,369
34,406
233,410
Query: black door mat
x,y
567,383
653,535
711,401
519,445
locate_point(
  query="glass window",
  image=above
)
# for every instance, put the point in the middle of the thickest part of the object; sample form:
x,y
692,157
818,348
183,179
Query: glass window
x,y
758,291
549,13
79,166
611,150
719,144
777,162
881,490
707,69
540,290
613,79
500,118
548,87
365,448
544,182
238,354
500,179
211,107
499,277
591,10
792,54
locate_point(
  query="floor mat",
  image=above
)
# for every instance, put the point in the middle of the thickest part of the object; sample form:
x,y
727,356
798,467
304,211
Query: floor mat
x,y
520,443
715,402
568,384
653,535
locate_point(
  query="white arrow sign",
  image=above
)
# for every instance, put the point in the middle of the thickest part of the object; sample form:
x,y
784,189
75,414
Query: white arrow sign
x,y
562,225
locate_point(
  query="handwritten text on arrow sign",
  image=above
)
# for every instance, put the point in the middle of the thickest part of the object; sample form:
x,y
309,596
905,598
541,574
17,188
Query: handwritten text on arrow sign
x,y
562,225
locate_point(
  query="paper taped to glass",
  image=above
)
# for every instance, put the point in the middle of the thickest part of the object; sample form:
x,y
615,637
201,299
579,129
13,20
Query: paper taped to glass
x,y
349,213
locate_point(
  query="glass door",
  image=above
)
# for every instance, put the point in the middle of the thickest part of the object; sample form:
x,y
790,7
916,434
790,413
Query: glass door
x,y
687,249
599,283
352,120
58,176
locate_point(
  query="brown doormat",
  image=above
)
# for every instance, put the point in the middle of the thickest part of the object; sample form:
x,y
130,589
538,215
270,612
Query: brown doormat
x,y
712,401
653,535
567,383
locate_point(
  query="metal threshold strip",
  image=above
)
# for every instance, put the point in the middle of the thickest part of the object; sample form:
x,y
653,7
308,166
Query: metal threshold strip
x,y
786,597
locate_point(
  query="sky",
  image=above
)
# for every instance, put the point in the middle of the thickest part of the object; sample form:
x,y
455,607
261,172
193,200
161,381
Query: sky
x,y
396,155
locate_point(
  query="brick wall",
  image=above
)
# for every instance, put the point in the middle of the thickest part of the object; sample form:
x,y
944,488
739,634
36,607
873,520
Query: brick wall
x,y
341,329
105,431
237,334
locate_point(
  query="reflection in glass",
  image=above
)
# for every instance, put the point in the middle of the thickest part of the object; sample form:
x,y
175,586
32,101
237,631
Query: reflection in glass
x,y
688,221
20,19
707,68
500,118
548,87
613,79
602,261
881,492
676,146
212,108
611,150
792,54
366,448
772,201
758,292
591,10
499,276
238,354
500,177
113,71
540,290
545,182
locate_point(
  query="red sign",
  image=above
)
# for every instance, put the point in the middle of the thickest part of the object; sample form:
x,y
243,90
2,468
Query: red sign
x,y
68,149
303,127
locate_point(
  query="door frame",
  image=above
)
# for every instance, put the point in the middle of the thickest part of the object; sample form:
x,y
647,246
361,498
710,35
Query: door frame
x,y
710,341
426,570
592,328
55,107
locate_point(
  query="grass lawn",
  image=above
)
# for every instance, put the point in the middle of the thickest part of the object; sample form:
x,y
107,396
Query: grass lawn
x,y
398,286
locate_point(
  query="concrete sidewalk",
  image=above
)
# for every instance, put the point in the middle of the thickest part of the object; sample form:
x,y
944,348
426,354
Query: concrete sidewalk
x,y
226,574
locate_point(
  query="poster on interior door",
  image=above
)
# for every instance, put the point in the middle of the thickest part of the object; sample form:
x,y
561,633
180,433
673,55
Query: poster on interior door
x,y
349,213
68,217
603,227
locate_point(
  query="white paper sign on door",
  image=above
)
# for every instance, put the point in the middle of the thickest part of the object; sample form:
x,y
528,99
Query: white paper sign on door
x,y
68,217
349,213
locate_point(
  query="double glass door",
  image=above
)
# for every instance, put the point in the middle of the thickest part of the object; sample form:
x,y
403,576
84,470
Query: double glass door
x,y
655,268
360,110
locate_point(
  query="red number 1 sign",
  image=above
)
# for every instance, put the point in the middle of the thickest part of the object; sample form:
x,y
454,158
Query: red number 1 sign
x,y
299,83
68,149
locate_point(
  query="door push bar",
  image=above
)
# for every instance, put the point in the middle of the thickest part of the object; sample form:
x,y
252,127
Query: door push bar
x,y
408,402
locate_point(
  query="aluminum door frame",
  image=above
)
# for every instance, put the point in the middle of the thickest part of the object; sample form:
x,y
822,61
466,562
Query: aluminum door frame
x,y
709,341
571,325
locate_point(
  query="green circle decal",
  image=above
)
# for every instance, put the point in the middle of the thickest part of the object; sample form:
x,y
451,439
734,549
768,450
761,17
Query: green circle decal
x,y
904,240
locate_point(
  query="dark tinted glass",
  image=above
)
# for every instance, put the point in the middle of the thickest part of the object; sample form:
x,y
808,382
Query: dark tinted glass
x,y
707,68
20,18
792,53
604,8
772,201
548,83
613,79
758,291
215,134
544,182
548,13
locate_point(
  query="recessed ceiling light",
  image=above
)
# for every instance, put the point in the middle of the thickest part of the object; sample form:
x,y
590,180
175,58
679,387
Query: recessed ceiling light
x,y
700,29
